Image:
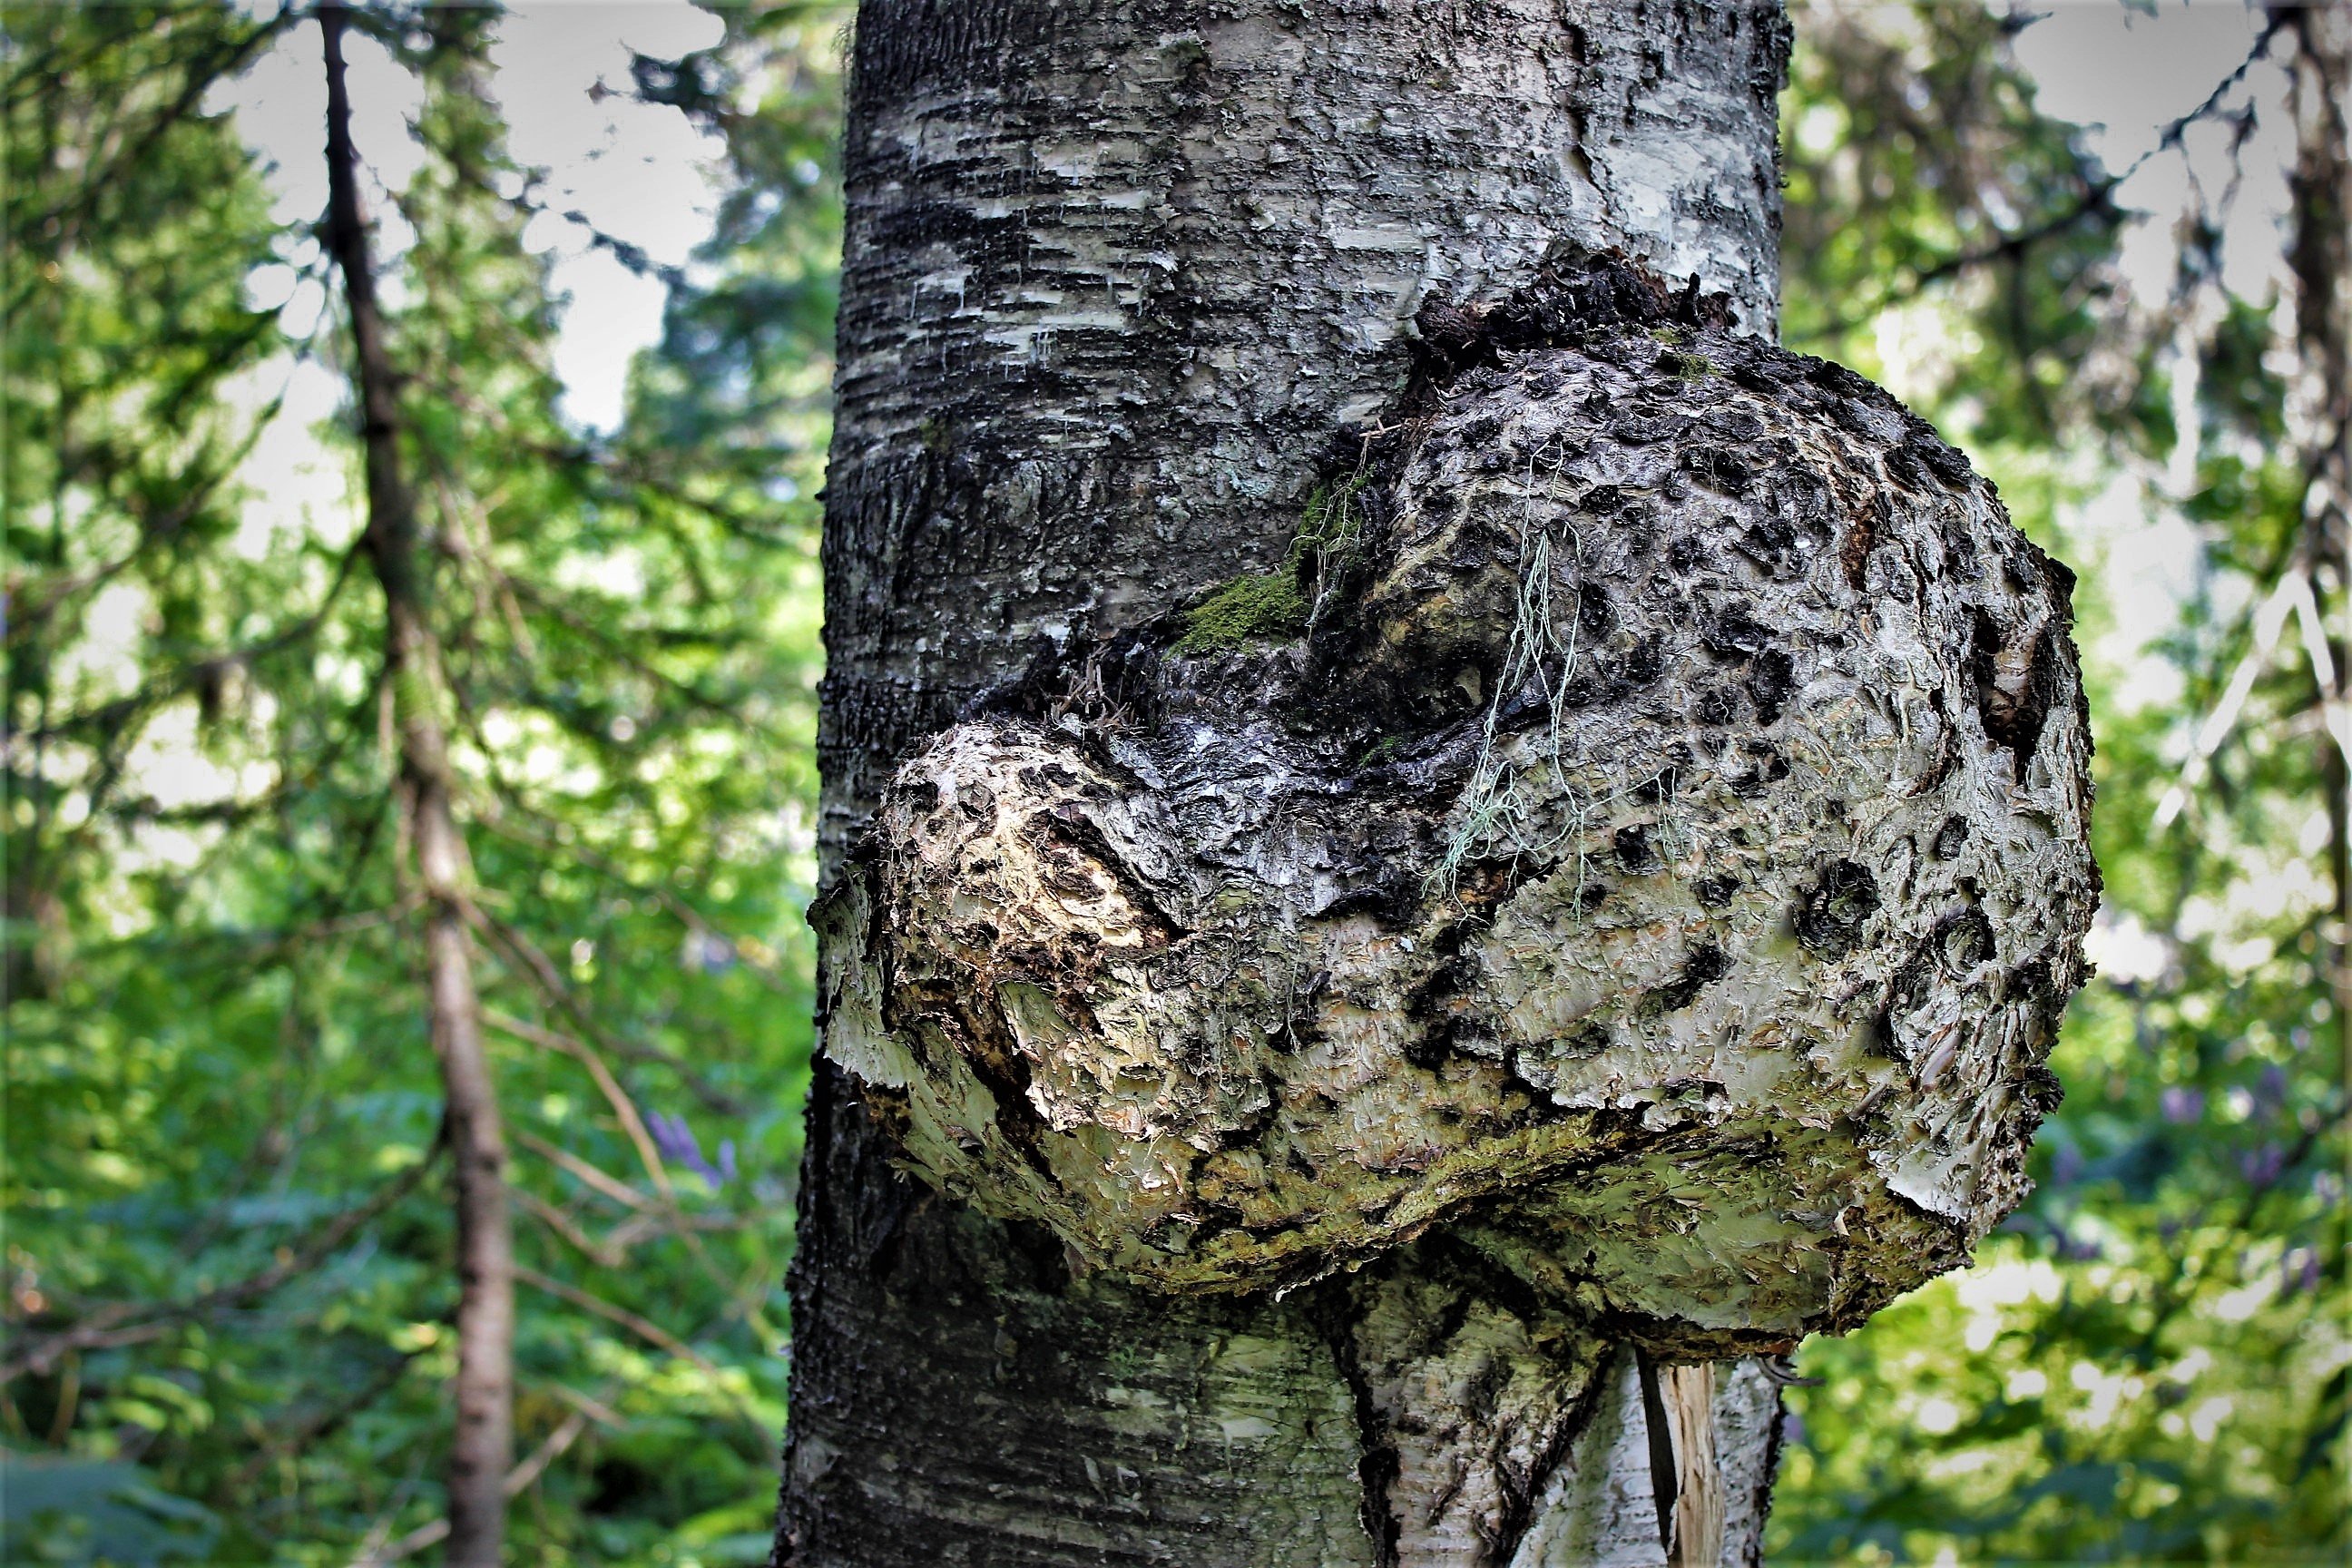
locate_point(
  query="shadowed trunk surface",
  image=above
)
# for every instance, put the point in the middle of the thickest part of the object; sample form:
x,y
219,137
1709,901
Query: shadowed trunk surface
x,y
1116,277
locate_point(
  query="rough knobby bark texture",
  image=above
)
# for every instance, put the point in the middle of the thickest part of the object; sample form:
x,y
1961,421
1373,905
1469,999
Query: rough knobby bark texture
x,y
483,1441
1650,834
1420,905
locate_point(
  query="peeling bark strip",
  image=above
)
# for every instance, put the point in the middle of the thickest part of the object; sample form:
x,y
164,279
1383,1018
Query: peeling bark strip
x,y
1573,882
1115,277
1696,1534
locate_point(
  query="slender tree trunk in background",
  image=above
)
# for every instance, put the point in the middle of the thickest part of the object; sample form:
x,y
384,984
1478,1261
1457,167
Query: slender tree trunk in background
x,y
1115,277
2320,255
484,1439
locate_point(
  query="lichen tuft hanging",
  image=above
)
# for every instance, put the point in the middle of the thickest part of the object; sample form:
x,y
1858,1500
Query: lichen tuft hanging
x,y
1652,841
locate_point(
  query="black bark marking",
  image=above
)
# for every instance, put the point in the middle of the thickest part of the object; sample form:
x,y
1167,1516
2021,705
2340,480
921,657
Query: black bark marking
x,y
1831,917
2015,686
1377,1464
1635,856
1665,1481
1771,681
1706,964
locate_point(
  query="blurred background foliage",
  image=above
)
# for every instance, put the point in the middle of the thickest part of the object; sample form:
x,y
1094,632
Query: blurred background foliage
x,y
228,1239
2148,1364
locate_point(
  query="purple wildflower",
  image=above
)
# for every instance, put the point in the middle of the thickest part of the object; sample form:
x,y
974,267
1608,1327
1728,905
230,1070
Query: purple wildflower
x,y
708,952
677,1143
2182,1106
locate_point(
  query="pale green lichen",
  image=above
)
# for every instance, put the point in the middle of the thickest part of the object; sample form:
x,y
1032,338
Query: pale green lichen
x,y
1333,534
1495,810
1333,521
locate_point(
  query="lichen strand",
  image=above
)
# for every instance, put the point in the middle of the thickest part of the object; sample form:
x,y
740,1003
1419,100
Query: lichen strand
x,y
1666,864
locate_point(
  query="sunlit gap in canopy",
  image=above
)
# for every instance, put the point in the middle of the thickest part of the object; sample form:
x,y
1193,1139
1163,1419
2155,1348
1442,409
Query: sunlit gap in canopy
x,y
598,164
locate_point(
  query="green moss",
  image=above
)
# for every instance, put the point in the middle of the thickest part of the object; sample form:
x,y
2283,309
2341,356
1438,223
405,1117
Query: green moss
x,y
1270,607
1673,337
1274,606
1689,366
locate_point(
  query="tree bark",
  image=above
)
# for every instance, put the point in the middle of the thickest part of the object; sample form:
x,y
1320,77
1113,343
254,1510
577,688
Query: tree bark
x,y
1115,277
482,1445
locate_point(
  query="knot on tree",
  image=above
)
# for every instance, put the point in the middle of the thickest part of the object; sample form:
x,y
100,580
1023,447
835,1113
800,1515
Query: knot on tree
x,y
1643,826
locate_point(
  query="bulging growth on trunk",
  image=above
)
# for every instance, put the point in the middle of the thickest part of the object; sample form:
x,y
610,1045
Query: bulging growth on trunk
x,y
1643,826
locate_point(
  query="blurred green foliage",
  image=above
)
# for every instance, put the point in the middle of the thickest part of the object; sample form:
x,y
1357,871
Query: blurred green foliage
x,y
228,1238
2148,1363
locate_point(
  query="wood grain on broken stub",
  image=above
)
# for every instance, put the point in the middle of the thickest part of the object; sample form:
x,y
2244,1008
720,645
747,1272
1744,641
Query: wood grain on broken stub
x,y
1647,833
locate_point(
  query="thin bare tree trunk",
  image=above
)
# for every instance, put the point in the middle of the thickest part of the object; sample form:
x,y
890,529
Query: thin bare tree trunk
x,y
483,1444
1116,274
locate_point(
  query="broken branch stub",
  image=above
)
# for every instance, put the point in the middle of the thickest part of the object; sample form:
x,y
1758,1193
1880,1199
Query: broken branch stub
x,y
1644,826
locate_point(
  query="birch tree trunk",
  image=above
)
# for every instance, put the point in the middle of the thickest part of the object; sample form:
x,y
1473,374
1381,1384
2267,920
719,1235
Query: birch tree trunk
x,y
1123,285
1114,276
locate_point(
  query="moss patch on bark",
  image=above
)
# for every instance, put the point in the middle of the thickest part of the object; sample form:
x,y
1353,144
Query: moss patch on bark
x,y
1269,608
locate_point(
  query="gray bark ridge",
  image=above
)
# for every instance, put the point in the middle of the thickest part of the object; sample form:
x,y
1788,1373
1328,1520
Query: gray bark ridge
x,y
1114,276
1644,823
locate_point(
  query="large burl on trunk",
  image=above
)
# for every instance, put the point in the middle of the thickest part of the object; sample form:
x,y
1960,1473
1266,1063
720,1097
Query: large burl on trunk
x,y
1434,850
1643,826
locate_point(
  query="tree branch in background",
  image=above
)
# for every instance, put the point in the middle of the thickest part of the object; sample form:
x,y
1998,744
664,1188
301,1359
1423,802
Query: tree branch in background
x,y
756,956
542,971
2095,203
652,1333
612,1186
134,1322
624,1109
482,1448
567,1432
